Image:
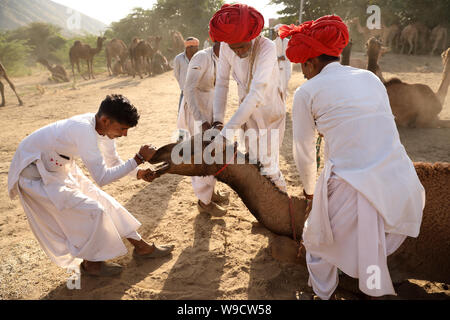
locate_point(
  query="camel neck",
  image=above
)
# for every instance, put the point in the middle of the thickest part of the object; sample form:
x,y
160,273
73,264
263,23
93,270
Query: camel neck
x,y
443,88
265,201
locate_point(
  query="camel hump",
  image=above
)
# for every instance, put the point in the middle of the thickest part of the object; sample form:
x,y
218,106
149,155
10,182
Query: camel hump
x,y
393,81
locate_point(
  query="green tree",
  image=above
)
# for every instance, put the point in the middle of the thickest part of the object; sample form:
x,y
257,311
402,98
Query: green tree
x,y
43,38
14,54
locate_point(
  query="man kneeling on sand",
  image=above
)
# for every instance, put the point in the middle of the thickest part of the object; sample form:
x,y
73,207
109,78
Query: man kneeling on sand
x,y
75,221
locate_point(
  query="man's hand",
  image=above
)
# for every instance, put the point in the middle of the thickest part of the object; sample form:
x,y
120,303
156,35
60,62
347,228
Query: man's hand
x,y
281,58
147,152
147,175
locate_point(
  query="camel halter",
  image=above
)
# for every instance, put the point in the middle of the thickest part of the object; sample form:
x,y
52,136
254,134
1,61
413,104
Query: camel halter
x,y
226,164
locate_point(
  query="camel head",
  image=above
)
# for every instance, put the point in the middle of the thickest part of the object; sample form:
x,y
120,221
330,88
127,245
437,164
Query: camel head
x,y
191,157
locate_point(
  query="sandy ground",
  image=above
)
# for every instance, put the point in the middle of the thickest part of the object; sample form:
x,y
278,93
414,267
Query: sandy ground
x,y
226,258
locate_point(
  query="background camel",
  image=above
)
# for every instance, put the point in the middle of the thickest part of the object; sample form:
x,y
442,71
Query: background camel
x,y
423,43
58,72
425,257
438,39
115,50
84,51
416,105
409,37
142,52
4,75
374,51
365,32
160,63
391,37
177,42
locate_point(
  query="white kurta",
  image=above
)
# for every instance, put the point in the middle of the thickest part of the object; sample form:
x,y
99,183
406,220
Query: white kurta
x,y
284,65
350,108
71,217
181,63
262,108
198,108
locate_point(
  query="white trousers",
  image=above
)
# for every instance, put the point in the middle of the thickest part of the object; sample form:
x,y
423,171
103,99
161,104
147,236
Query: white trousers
x,y
360,246
203,186
89,226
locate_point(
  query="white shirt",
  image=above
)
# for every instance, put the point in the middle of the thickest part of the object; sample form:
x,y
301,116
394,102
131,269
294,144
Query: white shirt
x,y
181,63
199,85
350,107
75,137
264,101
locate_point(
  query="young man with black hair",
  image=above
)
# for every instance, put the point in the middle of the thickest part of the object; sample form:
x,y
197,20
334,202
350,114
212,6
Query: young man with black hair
x,y
74,221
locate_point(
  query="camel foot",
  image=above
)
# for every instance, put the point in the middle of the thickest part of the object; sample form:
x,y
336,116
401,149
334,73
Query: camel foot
x,y
20,103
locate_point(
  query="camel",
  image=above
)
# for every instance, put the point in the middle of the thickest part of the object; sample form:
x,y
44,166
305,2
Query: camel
x,y
425,257
438,38
3,74
416,105
115,49
423,37
122,68
177,42
366,32
160,63
58,72
374,51
142,52
391,37
347,61
409,37
84,51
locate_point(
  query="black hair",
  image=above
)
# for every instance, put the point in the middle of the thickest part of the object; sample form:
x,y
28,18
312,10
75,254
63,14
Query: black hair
x,y
327,58
120,109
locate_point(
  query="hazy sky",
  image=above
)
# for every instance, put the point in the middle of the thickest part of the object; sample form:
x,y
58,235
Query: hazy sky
x,y
108,11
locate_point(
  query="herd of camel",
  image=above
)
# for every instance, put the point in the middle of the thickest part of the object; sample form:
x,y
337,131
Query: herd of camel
x,y
142,56
415,38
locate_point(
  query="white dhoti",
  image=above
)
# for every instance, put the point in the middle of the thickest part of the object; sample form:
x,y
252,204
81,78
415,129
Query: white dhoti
x,y
360,245
203,186
75,220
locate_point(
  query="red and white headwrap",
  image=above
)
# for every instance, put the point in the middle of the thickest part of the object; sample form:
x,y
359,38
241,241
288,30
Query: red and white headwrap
x,y
235,23
326,35
191,42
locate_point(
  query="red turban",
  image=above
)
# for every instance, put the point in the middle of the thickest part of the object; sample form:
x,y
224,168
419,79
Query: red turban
x,y
235,23
326,35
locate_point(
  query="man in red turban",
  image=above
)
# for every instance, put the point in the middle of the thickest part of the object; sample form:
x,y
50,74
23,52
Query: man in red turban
x,y
253,59
368,198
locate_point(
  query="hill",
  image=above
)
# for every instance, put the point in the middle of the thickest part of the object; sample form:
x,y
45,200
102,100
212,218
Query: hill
x,y
18,13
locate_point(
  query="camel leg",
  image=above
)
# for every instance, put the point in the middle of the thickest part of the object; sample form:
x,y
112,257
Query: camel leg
x,y
108,64
13,89
78,67
73,72
92,68
2,91
138,66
